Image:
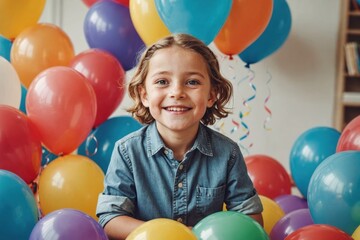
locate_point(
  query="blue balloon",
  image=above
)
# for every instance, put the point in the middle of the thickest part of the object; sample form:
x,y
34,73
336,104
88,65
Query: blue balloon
x,y
202,19
18,208
101,141
5,48
273,37
334,191
47,157
108,26
308,151
23,99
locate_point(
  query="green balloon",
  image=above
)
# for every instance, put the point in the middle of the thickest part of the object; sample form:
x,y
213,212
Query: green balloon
x,y
229,225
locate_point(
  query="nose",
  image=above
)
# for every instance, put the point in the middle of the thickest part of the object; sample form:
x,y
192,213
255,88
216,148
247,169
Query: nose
x,y
177,91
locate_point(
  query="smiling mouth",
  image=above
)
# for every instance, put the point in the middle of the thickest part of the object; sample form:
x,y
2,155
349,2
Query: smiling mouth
x,y
177,109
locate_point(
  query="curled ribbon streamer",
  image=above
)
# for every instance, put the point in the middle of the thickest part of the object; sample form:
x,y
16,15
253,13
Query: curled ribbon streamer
x,y
88,139
236,126
267,109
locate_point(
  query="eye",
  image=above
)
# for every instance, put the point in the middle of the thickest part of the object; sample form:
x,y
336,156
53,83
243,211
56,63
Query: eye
x,y
193,82
161,82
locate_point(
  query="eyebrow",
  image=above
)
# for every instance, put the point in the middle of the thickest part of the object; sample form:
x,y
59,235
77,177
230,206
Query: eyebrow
x,y
186,73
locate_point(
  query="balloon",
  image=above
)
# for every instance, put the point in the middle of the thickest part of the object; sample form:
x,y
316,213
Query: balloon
x,y
161,229
18,15
107,77
20,147
23,99
334,191
147,21
108,26
290,223
89,3
71,181
289,202
40,47
356,233
273,37
100,143
5,48
19,211
271,214
10,87
67,224
247,20
203,21
229,225
350,136
268,183
318,232
308,151
62,105
47,157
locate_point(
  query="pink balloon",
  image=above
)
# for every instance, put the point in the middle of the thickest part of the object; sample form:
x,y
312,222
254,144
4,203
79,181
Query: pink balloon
x,y
62,105
106,75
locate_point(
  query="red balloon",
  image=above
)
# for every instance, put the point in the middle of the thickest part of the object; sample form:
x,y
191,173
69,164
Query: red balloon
x,y
350,136
270,178
318,232
89,3
62,105
106,75
20,147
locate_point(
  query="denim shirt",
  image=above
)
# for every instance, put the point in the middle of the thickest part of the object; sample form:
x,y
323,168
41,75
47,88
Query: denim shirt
x,y
144,180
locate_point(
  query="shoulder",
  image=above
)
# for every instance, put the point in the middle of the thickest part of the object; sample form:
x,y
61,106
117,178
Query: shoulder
x,y
136,136
218,139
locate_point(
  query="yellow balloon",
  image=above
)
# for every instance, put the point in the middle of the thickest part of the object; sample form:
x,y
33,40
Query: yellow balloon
x,y
162,229
18,15
272,213
40,47
72,181
147,21
356,233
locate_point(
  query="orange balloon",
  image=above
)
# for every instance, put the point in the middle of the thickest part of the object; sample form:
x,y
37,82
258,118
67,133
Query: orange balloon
x,y
271,214
147,21
18,15
247,20
62,105
72,181
38,48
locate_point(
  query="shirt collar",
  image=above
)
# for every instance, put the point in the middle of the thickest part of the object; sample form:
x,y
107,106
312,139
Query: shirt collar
x,y
155,143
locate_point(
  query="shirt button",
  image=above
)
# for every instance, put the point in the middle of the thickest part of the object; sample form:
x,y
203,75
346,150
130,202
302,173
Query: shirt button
x,y
179,220
181,167
166,151
180,185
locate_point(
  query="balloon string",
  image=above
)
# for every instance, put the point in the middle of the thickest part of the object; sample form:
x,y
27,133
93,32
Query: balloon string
x,y
267,109
87,143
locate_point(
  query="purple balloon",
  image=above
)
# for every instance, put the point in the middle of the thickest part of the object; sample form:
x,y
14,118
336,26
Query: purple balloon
x,y
67,224
290,223
289,202
108,26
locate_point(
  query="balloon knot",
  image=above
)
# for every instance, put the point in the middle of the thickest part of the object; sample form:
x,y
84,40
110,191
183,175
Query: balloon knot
x,y
247,65
231,57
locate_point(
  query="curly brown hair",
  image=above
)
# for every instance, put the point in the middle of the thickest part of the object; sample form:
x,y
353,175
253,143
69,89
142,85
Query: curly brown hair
x,y
221,86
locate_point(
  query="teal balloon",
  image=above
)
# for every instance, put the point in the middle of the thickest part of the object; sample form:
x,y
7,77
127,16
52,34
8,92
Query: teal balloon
x,y
229,225
18,208
47,156
273,37
334,191
5,48
202,19
101,141
308,151
23,99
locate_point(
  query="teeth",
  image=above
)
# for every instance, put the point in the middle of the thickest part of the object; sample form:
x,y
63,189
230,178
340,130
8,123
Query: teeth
x,y
177,109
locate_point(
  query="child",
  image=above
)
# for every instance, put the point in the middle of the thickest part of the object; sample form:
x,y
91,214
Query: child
x,y
175,166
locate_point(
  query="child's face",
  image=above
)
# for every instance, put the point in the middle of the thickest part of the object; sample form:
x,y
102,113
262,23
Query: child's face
x,y
177,89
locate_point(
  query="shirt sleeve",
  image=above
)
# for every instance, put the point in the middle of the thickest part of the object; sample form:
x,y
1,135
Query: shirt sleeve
x,y
118,196
241,195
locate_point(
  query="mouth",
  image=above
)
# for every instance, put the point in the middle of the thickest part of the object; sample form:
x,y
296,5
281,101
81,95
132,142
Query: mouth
x,y
177,109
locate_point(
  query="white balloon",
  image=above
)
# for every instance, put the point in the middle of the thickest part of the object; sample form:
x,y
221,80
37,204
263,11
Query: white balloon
x,y
10,85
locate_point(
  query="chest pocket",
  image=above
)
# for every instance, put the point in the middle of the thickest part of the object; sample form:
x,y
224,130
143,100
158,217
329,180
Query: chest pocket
x,y
209,200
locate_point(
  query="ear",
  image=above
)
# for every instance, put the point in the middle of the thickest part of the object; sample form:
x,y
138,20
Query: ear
x,y
212,98
143,96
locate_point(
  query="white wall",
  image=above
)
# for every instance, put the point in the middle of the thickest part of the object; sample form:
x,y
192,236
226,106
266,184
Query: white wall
x,y
303,74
